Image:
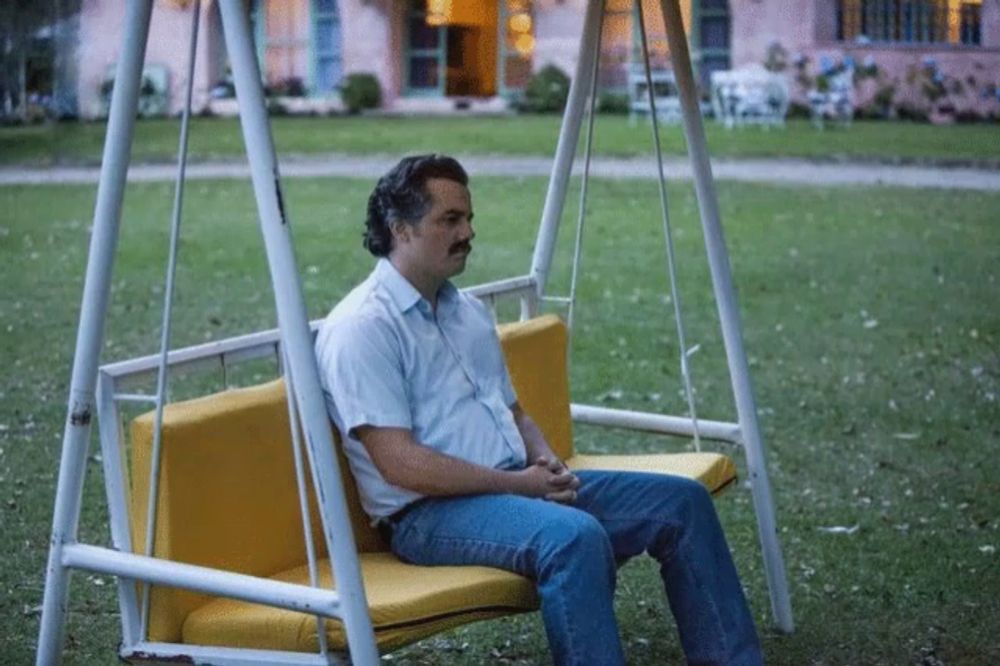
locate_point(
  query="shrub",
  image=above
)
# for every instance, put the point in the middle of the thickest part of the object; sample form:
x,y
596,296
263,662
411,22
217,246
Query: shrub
x,y
361,91
610,102
546,91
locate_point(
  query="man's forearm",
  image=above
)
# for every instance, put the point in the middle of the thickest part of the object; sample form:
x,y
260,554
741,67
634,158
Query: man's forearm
x,y
428,472
535,445
406,463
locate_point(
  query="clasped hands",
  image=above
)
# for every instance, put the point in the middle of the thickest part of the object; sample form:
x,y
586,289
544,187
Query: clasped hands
x,y
551,480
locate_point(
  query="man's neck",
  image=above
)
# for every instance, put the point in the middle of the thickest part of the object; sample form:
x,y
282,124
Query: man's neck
x,y
428,286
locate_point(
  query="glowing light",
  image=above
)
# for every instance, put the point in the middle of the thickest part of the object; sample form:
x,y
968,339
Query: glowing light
x,y
520,23
524,44
438,12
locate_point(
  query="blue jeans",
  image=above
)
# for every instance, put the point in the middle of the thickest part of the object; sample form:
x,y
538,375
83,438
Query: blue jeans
x,y
572,553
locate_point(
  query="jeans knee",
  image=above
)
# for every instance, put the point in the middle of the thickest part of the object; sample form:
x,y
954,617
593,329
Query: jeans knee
x,y
576,535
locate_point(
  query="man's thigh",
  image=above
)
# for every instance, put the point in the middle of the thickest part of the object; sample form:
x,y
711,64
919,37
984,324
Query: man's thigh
x,y
642,510
504,531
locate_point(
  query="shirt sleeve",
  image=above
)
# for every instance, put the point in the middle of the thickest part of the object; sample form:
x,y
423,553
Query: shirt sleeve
x,y
364,373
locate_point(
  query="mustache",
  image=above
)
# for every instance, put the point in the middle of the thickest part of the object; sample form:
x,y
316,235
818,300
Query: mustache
x,y
461,246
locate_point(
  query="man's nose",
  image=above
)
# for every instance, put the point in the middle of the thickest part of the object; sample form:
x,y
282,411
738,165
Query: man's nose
x,y
468,233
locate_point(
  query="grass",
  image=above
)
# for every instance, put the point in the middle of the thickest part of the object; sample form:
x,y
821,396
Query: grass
x,y
872,331
156,140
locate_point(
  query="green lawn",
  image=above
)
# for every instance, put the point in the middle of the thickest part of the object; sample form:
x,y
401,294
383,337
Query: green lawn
x,y
156,140
871,325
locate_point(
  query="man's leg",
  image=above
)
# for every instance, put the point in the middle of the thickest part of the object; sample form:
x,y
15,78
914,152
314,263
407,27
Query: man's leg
x,y
674,520
566,551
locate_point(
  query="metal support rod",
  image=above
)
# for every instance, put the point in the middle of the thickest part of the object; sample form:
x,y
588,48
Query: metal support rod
x,y
569,135
668,234
90,335
215,582
650,422
729,316
168,302
305,514
581,214
117,492
293,323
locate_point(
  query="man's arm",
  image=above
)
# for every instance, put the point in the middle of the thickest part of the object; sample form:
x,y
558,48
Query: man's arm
x,y
406,463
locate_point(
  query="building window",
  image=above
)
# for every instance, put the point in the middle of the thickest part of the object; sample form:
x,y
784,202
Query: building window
x,y
909,21
327,64
517,44
298,44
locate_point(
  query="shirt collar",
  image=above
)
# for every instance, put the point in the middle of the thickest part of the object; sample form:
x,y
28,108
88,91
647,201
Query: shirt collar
x,y
405,295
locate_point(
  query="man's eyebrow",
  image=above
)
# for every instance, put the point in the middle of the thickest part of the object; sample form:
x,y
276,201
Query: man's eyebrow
x,y
458,211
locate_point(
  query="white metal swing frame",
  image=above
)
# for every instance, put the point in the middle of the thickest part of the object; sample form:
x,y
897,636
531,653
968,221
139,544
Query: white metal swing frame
x,y
292,343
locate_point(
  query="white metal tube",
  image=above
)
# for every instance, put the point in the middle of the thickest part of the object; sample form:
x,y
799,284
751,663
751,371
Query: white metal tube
x,y
304,513
222,656
90,335
729,316
581,216
115,480
168,302
668,235
215,582
569,135
295,333
669,425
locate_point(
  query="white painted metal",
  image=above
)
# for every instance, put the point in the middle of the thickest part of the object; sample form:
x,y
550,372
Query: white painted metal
x,y
668,235
729,316
569,135
301,598
669,425
90,335
304,513
135,397
293,322
581,214
168,302
173,653
113,463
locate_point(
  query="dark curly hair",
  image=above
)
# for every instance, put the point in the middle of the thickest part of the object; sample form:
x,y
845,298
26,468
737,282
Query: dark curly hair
x,y
401,196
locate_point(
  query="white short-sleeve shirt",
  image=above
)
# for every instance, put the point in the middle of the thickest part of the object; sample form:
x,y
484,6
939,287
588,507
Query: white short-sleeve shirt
x,y
387,359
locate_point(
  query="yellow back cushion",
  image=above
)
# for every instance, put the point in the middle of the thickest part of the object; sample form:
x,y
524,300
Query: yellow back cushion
x,y
536,357
228,496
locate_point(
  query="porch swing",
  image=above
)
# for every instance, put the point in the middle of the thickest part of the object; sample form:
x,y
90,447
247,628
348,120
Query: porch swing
x,y
212,565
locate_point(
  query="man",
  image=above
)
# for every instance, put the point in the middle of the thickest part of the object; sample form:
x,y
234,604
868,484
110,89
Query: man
x,y
453,471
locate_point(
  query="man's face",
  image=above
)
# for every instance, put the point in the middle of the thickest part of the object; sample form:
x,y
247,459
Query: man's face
x,y
439,244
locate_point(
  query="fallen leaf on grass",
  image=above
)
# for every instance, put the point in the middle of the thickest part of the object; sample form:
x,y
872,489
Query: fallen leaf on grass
x,y
839,529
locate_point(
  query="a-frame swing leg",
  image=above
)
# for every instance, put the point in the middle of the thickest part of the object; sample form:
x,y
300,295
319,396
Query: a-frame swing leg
x,y
718,257
90,334
729,317
562,166
293,321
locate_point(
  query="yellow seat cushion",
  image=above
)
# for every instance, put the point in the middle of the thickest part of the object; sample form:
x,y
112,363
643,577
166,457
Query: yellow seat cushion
x,y
407,603
228,500
715,470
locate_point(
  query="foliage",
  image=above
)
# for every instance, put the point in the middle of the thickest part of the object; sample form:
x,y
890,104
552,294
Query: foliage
x,y
292,86
776,58
527,134
873,358
546,91
612,102
361,91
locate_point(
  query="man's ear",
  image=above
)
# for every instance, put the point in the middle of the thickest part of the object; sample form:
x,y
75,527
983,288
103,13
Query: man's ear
x,y
400,231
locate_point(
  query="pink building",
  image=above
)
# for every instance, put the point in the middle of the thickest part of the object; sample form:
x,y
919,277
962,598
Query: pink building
x,y
439,55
